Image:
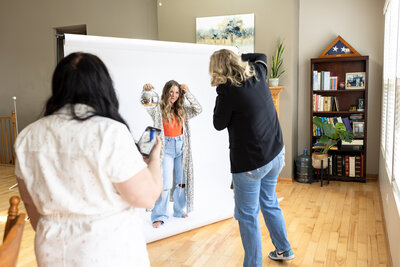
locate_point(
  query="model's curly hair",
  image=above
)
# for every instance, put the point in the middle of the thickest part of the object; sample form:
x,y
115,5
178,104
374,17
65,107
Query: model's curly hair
x,y
168,110
225,66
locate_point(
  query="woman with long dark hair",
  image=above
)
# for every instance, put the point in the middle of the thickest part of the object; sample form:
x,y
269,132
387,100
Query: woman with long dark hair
x,y
244,105
172,117
80,174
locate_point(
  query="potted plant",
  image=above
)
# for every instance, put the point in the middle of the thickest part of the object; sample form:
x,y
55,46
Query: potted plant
x,y
276,64
331,135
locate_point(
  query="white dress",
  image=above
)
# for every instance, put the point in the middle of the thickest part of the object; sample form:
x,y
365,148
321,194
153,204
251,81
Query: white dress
x,y
69,168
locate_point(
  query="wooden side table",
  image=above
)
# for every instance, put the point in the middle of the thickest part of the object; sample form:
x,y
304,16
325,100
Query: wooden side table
x,y
275,90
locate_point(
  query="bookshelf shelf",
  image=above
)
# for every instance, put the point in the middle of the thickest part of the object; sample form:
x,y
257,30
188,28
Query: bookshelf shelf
x,y
335,92
355,138
334,105
336,113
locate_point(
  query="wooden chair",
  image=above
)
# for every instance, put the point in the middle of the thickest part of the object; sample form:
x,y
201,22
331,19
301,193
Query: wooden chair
x,y
12,235
8,134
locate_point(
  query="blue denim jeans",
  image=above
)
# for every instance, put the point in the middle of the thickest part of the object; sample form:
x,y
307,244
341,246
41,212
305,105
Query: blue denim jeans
x,y
254,189
172,169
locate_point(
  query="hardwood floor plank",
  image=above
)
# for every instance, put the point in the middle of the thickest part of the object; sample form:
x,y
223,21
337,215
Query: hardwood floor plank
x,y
351,259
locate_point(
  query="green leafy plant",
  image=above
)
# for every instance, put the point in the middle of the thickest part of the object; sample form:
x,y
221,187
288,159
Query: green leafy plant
x,y
276,61
331,134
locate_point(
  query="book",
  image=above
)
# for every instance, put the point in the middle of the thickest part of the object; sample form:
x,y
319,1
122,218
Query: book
x,y
339,166
333,104
334,82
355,142
321,103
336,104
326,80
346,165
357,166
362,165
346,122
321,146
329,103
314,102
326,103
315,80
352,166
334,164
319,81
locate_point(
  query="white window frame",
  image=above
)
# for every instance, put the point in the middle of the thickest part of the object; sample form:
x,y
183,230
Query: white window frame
x,y
390,131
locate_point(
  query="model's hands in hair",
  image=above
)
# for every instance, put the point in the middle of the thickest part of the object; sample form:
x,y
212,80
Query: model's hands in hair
x,y
184,88
148,86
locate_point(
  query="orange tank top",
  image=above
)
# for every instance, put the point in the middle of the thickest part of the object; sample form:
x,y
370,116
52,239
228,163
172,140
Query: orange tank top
x,y
172,129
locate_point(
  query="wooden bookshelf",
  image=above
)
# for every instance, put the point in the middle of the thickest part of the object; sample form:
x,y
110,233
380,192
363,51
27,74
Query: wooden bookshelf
x,y
345,98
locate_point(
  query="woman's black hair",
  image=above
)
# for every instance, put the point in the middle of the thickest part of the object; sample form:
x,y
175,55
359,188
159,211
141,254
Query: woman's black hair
x,y
82,78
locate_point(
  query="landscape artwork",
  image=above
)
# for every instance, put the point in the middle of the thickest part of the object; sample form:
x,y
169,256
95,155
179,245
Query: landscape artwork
x,y
234,30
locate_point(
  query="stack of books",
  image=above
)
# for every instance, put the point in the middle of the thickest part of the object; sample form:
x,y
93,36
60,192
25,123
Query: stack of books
x,y
324,81
346,165
325,103
356,144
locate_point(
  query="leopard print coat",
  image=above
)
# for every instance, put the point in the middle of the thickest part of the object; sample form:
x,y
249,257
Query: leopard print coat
x,y
192,109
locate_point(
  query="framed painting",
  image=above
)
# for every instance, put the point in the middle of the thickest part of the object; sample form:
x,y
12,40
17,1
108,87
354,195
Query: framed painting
x,y
234,30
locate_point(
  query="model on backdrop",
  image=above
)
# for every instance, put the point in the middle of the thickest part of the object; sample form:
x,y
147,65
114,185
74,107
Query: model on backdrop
x,y
172,116
80,174
244,105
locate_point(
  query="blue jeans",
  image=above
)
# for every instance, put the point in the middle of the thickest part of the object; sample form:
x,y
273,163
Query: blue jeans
x,y
172,168
254,189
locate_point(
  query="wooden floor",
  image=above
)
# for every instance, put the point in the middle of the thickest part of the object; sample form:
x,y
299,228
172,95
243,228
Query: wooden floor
x,y
338,225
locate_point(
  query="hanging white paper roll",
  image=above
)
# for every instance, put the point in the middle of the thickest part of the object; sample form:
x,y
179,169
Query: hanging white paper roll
x,y
132,63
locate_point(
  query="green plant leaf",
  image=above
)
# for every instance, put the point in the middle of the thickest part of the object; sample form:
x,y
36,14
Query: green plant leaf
x,y
349,136
324,140
343,136
340,126
329,130
277,60
332,134
318,122
280,74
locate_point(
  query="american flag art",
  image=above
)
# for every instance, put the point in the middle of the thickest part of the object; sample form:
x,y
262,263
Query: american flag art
x,y
339,48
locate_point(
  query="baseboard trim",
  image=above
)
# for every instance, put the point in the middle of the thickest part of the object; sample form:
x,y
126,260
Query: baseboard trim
x,y
389,256
371,176
285,180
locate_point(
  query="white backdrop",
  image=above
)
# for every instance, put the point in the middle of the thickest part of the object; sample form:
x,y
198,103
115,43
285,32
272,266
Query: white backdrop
x,y
132,63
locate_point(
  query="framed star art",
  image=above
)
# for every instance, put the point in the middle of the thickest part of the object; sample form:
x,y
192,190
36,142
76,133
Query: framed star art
x,y
339,48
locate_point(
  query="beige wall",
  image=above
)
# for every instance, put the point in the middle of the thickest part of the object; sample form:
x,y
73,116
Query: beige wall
x,y
27,46
27,42
273,20
361,24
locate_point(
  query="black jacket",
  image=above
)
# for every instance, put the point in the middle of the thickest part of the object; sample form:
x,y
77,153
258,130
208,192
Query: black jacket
x,y
255,136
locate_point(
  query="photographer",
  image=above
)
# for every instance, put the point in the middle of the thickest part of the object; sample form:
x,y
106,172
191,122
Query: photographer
x,y
244,105
80,174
